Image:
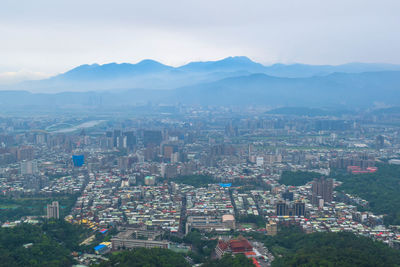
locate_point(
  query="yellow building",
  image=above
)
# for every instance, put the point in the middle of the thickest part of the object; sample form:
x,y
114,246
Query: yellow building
x,y
272,228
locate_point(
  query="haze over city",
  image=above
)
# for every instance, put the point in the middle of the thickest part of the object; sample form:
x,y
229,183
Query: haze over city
x,y
199,133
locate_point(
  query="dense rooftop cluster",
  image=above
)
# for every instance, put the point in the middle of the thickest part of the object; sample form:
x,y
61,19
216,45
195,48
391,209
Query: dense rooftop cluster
x,y
172,175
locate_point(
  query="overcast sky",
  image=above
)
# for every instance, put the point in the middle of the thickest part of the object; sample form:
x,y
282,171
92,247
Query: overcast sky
x,y
45,37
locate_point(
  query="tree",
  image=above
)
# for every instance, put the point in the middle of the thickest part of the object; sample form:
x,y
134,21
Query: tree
x,y
297,178
142,257
228,260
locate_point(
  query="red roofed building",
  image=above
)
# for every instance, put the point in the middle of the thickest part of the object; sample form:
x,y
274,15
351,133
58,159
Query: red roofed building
x,y
255,262
359,170
234,246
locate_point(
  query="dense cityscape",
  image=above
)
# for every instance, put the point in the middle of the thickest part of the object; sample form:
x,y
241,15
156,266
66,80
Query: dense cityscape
x,y
199,133
232,177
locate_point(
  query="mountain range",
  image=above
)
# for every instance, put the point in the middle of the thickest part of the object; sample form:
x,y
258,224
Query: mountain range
x,y
231,81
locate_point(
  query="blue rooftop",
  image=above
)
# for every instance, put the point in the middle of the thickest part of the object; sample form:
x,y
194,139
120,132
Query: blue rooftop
x,y
96,248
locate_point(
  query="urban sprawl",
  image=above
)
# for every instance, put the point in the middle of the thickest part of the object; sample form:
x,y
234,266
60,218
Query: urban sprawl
x,y
216,170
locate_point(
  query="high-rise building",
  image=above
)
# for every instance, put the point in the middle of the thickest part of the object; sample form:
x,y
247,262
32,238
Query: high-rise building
x,y
130,140
168,150
169,171
272,228
151,153
299,209
132,180
33,182
149,180
117,140
152,138
380,141
53,210
175,157
322,189
260,161
281,209
29,167
249,151
25,153
287,195
123,163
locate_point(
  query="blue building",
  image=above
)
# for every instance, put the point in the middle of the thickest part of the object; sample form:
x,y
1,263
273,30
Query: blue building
x,y
101,249
78,160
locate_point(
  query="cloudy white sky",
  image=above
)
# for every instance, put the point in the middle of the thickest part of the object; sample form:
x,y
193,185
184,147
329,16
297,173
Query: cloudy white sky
x,y
44,37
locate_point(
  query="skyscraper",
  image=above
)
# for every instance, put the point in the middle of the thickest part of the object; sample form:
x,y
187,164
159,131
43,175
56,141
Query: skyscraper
x,y
117,140
130,139
28,167
380,142
281,209
152,138
322,189
287,195
299,209
53,210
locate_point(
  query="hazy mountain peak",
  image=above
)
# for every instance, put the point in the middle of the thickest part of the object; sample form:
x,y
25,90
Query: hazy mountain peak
x,y
237,63
152,65
112,70
84,67
151,74
149,62
238,59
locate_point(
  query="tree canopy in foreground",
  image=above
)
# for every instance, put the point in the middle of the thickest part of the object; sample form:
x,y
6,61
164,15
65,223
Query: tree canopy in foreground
x,y
331,249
